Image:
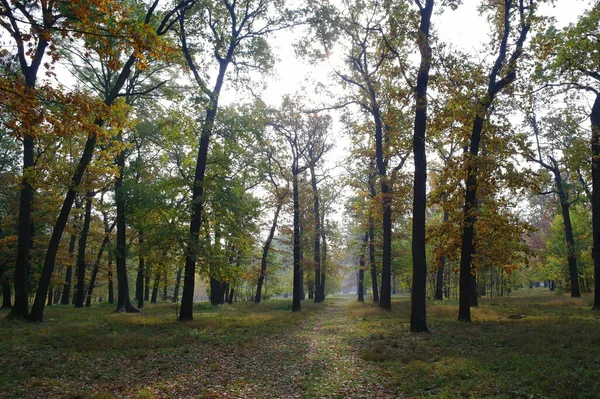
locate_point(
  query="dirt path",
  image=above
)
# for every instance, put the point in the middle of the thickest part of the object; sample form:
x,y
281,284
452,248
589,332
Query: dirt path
x,y
332,368
316,362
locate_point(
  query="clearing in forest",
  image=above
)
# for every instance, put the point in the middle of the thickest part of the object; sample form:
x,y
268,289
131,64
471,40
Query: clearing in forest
x,y
339,349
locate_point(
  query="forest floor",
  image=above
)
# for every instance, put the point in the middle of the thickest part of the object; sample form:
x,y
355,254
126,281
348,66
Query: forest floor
x,y
341,349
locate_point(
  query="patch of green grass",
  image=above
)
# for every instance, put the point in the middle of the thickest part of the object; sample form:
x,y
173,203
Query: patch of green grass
x,y
552,352
340,349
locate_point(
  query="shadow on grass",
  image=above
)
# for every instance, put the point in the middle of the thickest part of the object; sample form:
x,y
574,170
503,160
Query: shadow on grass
x,y
95,351
554,351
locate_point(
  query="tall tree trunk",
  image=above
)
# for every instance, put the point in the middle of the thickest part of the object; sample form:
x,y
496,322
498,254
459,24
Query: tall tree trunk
x,y
495,86
566,214
418,318
298,283
66,293
92,285
473,296
81,248
37,310
385,298
164,296
155,288
361,270
111,290
265,253
20,310
177,284
372,264
316,235
187,298
595,122
6,291
323,256
147,283
123,299
139,282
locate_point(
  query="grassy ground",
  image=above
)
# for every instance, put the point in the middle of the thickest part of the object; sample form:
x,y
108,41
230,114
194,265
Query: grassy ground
x,y
342,349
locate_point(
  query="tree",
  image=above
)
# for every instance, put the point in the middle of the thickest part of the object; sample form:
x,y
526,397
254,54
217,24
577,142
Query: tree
x,y
369,54
307,139
502,74
236,32
148,42
418,321
549,162
570,59
275,172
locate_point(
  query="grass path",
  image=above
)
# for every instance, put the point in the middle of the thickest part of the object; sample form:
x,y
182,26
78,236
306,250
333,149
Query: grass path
x,y
240,351
337,350
331,368
310,360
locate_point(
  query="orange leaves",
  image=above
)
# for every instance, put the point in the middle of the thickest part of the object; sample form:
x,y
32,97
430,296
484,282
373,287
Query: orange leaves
x,y
110,29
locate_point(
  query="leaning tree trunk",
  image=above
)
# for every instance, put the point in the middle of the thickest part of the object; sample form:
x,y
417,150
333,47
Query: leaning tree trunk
x,y
265,253
92,285
418,319
81,265
37,310
570,240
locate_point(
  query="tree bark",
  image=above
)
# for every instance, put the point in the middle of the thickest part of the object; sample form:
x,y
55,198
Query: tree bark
x,y
92,285
66,293
6,291
372,264
147,283
595,144
265,253
165,288
20,310
81,248
111,294
418,318
495,86
316,234
37,310
361,270
139,282
298,283
323,256
187,298
123,299
177,284
568,227
385,298
155,288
